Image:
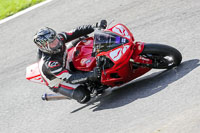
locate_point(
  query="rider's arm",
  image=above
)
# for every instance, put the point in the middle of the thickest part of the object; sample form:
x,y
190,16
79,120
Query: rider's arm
x,y
76,33
56,70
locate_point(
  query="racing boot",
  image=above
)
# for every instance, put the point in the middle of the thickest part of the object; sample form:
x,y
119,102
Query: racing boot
x,y
81,94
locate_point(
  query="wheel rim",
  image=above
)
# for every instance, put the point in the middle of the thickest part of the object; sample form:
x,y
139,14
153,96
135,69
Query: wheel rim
x,y
164,62
170,60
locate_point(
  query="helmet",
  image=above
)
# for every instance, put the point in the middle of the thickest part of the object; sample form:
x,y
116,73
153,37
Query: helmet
x,y
48,41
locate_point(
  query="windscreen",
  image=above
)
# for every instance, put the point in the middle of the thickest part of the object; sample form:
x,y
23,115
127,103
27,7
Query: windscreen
x,y
105,41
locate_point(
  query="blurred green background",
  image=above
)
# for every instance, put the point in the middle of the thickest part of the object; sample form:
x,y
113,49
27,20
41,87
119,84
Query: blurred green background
x,y
10,7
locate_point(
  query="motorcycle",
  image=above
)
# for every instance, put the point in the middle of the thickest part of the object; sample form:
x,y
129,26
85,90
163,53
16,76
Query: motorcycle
x,y
120,58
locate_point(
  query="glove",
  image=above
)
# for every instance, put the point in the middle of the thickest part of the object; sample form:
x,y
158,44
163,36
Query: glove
x,y
97,72
102,24
95,75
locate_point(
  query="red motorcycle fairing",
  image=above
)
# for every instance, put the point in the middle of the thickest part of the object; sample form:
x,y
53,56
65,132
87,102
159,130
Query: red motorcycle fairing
x,y
123,70
81,55
33,74
122,30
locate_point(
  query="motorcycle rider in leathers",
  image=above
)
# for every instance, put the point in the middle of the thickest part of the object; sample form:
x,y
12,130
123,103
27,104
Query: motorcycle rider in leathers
x,y
59,76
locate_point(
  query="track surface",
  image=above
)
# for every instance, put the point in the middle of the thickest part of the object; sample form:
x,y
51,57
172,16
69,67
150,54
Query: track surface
x,y
159,102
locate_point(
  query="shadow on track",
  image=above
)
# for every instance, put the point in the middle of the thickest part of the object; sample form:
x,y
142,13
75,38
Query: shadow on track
x,y
141,88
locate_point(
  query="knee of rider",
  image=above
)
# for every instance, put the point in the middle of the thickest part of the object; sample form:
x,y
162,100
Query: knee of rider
x,y
66,92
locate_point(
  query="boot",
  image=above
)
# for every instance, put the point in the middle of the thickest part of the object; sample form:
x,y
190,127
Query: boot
x,y
81,93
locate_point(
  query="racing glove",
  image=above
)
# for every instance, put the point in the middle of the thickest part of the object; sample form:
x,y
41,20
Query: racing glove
x,y
101,25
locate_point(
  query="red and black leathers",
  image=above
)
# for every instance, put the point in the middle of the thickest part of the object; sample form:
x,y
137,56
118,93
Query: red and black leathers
x,y
58,76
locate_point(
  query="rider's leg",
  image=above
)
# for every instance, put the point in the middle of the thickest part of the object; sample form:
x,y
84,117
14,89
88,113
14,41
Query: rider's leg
x,y
77,92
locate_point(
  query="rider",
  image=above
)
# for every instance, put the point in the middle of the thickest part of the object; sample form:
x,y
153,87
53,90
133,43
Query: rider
x,y
58,75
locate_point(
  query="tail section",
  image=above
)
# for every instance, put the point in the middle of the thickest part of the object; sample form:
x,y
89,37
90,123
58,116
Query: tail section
x,y
33,74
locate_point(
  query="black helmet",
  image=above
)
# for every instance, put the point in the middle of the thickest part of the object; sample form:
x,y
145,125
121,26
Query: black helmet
x,y
48,41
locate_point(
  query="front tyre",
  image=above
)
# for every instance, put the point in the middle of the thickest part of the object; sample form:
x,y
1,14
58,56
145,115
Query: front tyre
x,y
162,56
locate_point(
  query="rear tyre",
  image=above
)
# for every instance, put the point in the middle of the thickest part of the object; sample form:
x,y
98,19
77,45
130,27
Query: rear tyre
x,y
162,56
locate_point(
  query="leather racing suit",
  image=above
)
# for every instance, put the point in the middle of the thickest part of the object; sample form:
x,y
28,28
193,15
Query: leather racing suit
x,y
57,74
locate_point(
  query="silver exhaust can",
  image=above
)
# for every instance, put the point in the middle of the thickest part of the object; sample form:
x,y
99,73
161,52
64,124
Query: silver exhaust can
x,y
53,97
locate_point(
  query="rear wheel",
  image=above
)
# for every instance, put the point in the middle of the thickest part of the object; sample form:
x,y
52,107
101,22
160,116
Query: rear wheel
x,y
162,56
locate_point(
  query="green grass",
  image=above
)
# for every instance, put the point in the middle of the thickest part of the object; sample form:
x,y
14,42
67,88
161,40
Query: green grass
x,y
10,7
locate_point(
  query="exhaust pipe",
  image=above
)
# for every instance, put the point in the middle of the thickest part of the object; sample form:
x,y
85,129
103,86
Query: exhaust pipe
x,y
53,97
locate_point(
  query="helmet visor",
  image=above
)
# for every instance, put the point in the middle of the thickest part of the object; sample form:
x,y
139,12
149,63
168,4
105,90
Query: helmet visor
x,y
55,44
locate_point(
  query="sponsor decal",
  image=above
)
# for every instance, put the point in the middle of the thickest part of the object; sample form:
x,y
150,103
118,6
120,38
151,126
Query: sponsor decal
x,y
117,54
145,59
53,64
85,61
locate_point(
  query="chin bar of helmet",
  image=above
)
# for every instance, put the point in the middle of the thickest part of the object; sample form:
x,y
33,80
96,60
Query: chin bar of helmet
x,y
53,97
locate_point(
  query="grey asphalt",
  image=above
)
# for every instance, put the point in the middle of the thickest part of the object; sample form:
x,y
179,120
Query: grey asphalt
x,y
162,101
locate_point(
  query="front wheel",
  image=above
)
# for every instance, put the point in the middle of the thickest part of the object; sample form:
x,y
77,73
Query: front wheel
x,y
162,56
